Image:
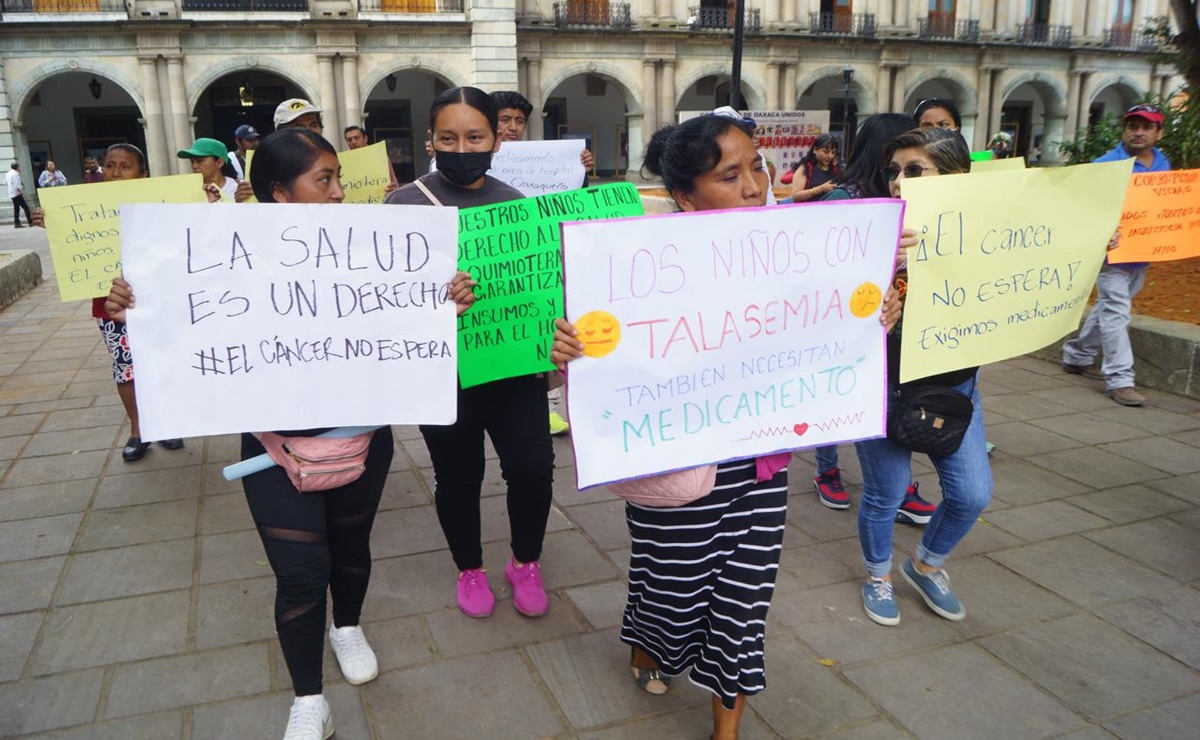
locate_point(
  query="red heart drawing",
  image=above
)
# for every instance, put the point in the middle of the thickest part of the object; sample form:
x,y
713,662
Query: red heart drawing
x,y
800,429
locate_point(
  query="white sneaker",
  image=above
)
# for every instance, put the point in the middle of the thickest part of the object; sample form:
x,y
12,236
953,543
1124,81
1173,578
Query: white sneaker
x,y
309,719
354,655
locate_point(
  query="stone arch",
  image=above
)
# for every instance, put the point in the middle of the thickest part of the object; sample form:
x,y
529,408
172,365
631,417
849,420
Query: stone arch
x,y
1129,88
965,96
611,72
21,90
753,91
1048,87
862,90
370,80
274,65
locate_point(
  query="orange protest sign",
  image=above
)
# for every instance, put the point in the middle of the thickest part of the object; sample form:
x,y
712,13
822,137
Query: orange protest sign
x,y
1161,218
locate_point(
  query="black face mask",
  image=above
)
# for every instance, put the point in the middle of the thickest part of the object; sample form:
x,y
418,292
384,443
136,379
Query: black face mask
x,y
462,168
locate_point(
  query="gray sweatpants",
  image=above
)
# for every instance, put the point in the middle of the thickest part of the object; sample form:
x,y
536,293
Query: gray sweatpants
x,y
1106,328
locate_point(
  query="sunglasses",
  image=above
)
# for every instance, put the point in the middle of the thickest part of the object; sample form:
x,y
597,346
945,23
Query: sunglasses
x,y
913,170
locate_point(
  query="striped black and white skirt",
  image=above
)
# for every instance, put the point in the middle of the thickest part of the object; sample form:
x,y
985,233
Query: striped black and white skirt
x,y
701,578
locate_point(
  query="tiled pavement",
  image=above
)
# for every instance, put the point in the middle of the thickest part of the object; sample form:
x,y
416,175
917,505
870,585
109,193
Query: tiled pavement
x,y
135,599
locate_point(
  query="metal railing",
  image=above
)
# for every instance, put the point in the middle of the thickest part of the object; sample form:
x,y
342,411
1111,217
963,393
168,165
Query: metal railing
x,y
830,24
598,16
62,6
257,6
938,27
722,19
1043,34
410,6
1127,38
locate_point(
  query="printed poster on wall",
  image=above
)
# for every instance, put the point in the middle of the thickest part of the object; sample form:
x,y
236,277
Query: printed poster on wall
x,y
726,335
784,136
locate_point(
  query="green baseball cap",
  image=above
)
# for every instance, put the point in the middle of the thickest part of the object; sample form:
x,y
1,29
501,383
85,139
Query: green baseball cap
x,y
205,148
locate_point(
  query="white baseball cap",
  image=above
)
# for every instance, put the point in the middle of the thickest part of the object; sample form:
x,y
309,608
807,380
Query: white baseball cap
x,y
290,110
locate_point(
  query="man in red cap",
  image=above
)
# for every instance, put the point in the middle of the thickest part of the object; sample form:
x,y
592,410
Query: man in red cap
x,y
1106,329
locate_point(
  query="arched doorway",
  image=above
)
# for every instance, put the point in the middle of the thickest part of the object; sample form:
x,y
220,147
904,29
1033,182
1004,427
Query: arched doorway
x,y
1112,100
243,97
397,111
829,93
708,93
591,107
73,115
1033,113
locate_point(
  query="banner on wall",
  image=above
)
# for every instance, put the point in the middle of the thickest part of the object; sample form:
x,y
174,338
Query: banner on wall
x,y
726,335
784,136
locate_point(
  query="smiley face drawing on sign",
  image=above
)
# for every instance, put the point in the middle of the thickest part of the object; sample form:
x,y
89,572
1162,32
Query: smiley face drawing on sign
x,y
600,333
865,300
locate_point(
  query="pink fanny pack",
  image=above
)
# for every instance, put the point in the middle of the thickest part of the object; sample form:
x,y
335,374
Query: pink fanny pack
x,y
319,463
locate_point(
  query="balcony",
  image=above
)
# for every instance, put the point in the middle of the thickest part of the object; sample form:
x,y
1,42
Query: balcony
x,y
944,29
722,19
591,16
1125,38
253,6
410,6
1043,34
62,6
831,24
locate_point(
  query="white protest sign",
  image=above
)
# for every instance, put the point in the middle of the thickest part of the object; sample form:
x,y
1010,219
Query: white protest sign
x,y
539,167
281,317
726,335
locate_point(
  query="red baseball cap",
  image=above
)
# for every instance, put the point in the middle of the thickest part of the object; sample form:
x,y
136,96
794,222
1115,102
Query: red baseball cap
x,y
1149,112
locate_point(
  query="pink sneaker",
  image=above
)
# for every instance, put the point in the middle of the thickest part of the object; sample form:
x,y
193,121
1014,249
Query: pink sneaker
x,y
529,595
475,597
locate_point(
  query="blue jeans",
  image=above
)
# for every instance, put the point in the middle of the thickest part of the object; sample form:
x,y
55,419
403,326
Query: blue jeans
x,y
965,477
827,458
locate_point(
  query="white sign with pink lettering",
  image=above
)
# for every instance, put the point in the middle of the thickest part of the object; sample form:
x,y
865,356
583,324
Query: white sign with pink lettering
x,y
727,334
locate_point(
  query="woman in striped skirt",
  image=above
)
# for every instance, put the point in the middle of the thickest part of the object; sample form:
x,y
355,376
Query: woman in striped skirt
x,y
701,576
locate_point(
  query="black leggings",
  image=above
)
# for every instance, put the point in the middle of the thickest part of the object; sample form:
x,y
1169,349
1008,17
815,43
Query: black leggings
x,y
515,414
19,204
316,542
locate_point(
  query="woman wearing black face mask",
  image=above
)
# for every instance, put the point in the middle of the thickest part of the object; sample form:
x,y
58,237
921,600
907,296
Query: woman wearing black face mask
x,y
513,412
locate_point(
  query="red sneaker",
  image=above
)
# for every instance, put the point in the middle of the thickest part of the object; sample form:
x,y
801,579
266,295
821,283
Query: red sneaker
x,y
914,509
830,489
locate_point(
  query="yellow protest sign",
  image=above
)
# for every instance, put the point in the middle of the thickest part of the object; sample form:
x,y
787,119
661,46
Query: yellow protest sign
x,y
1006,261
246,172
365,175
998,165
1161,218
83,227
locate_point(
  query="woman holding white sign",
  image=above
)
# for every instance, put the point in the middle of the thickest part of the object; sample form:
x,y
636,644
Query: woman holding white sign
x,y
512,411
952,400
702,574
316,534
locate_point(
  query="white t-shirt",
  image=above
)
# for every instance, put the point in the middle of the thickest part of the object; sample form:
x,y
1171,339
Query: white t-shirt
x,y
13,180
228,190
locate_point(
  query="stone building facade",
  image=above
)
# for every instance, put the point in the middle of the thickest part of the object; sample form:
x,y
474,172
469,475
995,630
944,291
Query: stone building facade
x,y
76,75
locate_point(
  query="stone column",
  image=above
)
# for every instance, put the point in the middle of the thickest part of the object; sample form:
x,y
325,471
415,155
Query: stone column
x,y
773,86
535,130
968,126
353,111
159,156
666,92
900,81
885,79
635,126
1052,132
1072,120
771,11
494,44
180,116
787,11
649,97
996,105
329,103
664,8
790,93
1086,89
984,95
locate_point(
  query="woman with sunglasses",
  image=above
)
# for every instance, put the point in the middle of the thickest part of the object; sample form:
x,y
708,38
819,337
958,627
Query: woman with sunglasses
x,y
964,475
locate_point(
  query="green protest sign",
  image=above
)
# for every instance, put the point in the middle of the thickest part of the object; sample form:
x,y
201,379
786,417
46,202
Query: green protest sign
x,y
512,250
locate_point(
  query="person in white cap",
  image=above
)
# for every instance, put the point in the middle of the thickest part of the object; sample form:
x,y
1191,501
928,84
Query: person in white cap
x,y
299,112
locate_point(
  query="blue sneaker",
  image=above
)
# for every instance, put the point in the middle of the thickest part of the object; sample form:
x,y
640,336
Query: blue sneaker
x,y
880,602
935,590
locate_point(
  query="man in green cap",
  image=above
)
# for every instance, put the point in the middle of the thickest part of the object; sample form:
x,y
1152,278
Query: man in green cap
x,y
208,157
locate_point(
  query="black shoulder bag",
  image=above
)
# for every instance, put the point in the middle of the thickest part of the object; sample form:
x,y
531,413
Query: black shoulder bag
x,y
931,419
